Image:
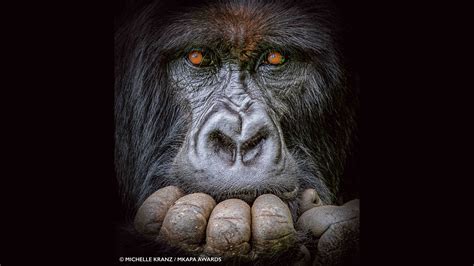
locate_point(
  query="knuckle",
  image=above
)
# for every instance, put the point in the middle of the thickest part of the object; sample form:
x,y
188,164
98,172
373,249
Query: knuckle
x,y
151,213
185,222
228,229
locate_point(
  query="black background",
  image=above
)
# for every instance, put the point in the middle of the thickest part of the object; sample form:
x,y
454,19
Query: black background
x,y
58,190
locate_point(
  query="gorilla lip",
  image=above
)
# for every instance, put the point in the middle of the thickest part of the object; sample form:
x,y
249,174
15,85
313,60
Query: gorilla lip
x,y
249,196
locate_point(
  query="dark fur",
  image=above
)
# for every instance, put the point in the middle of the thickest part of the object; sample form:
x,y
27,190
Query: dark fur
x,y
152,117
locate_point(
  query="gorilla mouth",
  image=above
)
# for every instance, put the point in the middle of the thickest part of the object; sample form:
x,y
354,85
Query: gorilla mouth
x,y
249,196
246,189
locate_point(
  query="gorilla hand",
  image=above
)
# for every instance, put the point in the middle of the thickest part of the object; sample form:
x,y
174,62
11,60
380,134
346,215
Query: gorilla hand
x,y
334,230
232,229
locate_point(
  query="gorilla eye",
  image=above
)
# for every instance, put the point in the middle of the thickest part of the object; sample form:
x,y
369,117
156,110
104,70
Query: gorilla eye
x,y
199,58
275,58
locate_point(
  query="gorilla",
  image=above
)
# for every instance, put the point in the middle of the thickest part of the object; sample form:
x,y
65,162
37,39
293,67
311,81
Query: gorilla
x,y
234,120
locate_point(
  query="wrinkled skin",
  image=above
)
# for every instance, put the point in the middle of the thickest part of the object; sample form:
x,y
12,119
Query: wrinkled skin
x,y
236,231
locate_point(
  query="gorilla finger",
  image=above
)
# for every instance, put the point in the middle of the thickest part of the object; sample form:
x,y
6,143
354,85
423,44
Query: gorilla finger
x,y
152,212
185,223
339,244
228,229
309,199
353,204
317,220
272,226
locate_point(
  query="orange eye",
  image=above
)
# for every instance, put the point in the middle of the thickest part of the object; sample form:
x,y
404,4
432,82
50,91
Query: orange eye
x,y
275,58
195,57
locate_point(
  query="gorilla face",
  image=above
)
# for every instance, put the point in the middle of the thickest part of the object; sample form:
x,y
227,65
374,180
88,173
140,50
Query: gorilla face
x,y
241,71
234,100
235,142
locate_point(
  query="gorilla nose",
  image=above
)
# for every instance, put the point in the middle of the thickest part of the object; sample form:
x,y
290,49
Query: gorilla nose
x,y
232,148
241,139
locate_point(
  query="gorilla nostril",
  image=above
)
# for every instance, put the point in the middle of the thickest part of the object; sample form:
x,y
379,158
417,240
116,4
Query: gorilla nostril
x,y
251,149
223,145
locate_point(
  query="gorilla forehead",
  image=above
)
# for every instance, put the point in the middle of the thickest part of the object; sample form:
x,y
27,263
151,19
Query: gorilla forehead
x,y
247,26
